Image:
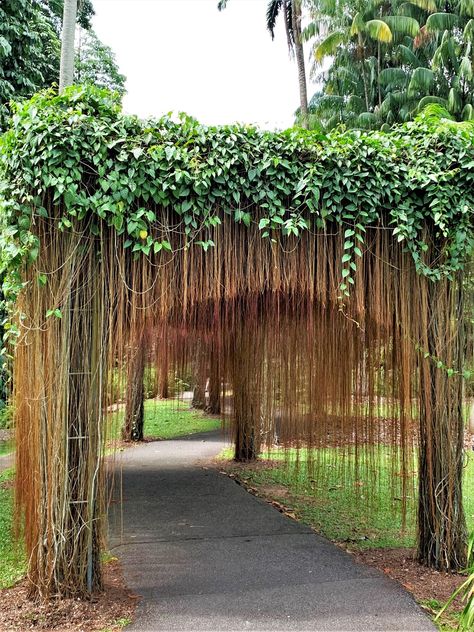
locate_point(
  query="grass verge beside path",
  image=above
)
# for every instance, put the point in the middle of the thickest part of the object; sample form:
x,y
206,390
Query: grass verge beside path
x,y
341,506
13,561
351,510
168,419
6,447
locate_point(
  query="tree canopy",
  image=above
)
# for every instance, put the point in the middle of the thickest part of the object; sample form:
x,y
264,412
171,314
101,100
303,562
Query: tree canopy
x,y
30,50
114,167
388,60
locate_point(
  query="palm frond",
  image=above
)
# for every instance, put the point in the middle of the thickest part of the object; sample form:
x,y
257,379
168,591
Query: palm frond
x,y
468,113
431,100
366,120
466,8
403,25
379,31
329,45
465,68
426,5
407,56
273,9
421,81
468,33
393,77
437,22
357,25
355,104
454,101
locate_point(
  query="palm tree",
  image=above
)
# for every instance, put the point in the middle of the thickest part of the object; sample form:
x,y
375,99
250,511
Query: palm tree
x,y
66,71
292,13
391,59
360,38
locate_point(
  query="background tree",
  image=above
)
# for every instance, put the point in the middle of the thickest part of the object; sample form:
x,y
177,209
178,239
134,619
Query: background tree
x,y
388,60
68,32
30,49
95,63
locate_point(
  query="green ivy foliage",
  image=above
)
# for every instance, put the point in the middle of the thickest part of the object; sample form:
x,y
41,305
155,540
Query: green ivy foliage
x,y
79,150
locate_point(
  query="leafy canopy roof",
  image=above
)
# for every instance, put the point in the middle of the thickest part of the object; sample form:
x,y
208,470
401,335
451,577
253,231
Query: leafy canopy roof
x,y
79,150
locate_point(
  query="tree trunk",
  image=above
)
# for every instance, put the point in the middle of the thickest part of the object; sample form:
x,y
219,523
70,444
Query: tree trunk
x,y
246,362
66,70
299,54
3,360
199,395
164,369
134,405
214,403
441,522
199,391
247,444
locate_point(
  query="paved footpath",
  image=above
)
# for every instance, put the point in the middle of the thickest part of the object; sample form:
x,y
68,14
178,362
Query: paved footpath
x,y
206,555
7,461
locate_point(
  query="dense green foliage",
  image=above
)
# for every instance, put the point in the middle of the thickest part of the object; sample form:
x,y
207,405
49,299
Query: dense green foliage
x,y
13,566
390,59
30,50
80,151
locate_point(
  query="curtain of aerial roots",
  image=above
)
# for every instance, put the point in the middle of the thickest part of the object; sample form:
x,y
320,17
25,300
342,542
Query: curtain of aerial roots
x,y
348,390
58,388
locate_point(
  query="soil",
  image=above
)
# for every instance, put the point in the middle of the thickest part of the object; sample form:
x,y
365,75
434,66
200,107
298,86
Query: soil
x,y
5,434
107,612
426,585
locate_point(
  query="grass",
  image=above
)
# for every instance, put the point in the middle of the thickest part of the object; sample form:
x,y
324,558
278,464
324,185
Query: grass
x,y
356,507
13,561
448,622
6,447
117,624
168,419
333,499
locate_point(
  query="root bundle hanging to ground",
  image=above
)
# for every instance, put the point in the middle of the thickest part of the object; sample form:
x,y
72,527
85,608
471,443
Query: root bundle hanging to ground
x,y
302,368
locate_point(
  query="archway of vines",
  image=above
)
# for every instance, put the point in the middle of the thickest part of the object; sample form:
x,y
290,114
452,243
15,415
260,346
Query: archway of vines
x,y
317,278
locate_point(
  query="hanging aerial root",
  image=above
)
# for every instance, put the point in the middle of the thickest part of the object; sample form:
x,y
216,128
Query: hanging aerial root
x,y
348,382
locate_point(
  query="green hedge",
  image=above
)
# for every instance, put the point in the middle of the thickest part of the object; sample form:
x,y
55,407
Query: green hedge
x,y
80,152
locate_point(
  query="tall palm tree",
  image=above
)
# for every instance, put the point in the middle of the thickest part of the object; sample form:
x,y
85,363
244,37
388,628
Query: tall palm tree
x,y
66,71
292,13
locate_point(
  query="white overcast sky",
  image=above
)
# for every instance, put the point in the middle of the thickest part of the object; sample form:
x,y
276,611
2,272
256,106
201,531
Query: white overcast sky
x,y
186,56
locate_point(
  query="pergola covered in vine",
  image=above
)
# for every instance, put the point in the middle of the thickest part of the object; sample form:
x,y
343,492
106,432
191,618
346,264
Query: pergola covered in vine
x,y
320,276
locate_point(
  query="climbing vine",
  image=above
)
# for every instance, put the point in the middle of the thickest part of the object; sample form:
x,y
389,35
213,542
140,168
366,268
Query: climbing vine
x,y
79,153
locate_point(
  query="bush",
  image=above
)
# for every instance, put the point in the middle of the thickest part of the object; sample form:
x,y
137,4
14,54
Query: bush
x,y
6,415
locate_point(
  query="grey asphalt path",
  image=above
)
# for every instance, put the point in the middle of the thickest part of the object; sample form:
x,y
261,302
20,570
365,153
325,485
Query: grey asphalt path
x,y
7,461
206,555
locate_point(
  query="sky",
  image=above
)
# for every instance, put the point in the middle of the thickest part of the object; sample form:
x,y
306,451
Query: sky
x,y
186,56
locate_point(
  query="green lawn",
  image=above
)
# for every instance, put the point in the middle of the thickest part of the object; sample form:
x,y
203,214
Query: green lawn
x,y
167,419
13,562
6,447
361,508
